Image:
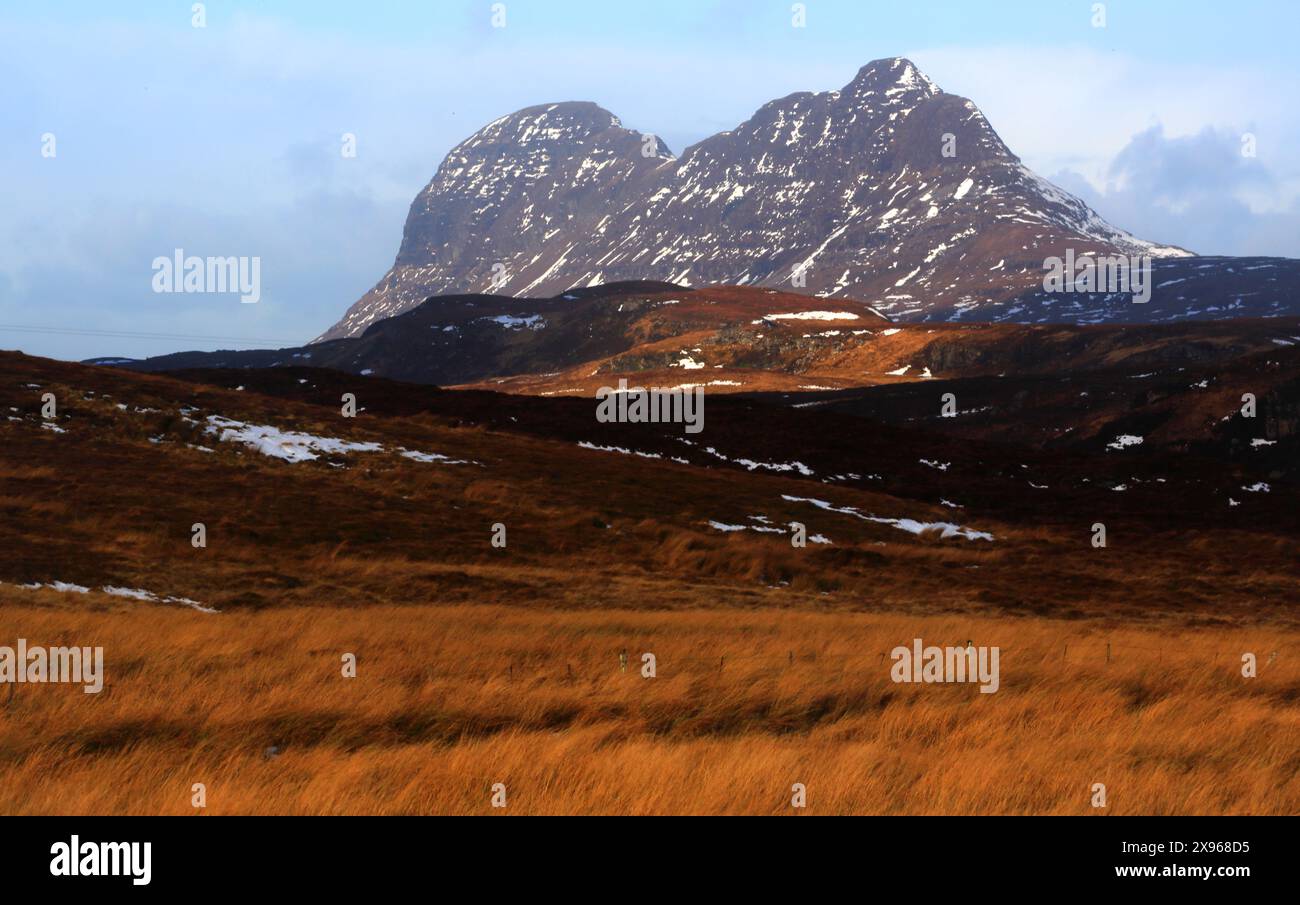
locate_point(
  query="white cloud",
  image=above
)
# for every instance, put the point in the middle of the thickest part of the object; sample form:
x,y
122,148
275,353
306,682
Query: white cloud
x,y
1077,108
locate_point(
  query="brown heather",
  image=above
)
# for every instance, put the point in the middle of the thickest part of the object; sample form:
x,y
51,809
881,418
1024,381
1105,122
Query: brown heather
x,y
478,666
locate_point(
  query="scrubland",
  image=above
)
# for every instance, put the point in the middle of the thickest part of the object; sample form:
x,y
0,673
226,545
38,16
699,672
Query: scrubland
x,y
449,701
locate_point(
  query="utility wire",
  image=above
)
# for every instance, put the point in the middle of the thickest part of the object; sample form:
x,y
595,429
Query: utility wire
x,y
128,334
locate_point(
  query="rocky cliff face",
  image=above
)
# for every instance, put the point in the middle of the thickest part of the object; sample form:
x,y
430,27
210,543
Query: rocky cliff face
x,y
889,191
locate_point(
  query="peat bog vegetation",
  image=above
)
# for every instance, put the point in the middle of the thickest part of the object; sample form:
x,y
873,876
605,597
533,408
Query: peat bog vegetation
x,y
479,664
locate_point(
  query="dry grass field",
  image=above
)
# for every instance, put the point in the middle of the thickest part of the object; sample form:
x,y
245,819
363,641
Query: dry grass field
x,y
448,701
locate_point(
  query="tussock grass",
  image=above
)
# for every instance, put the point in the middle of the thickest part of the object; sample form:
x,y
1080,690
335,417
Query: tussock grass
x,y
450,700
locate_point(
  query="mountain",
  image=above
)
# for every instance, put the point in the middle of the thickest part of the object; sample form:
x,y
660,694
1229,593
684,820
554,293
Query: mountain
x,y
521,180
889,191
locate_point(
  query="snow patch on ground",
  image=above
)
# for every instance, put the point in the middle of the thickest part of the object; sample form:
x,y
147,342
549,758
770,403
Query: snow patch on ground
x,y
630,452
814,316
763,528
62,586
912,526
1124,440
435,457
291,446
751,465
530,322
114,591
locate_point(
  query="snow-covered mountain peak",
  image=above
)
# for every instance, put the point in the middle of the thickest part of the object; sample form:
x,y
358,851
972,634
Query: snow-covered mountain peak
x,y
889,191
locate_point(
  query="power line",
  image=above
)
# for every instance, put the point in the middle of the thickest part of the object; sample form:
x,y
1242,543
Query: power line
x,y
128,334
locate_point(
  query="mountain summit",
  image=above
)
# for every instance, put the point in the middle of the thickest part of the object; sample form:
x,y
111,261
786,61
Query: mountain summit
x,y
889,191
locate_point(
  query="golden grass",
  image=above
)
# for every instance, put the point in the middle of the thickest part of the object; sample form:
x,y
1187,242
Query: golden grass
x,y
450,700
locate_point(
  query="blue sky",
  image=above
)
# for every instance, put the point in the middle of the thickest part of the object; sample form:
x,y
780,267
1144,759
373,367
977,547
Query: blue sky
x,y
225,140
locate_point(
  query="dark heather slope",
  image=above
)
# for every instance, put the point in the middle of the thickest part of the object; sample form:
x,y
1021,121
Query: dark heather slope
x,y
465,338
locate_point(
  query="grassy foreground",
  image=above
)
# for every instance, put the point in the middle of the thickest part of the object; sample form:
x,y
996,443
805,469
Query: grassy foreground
x,y
448,701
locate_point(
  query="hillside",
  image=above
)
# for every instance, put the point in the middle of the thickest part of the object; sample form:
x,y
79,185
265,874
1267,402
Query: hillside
x,y
371,537
410,507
